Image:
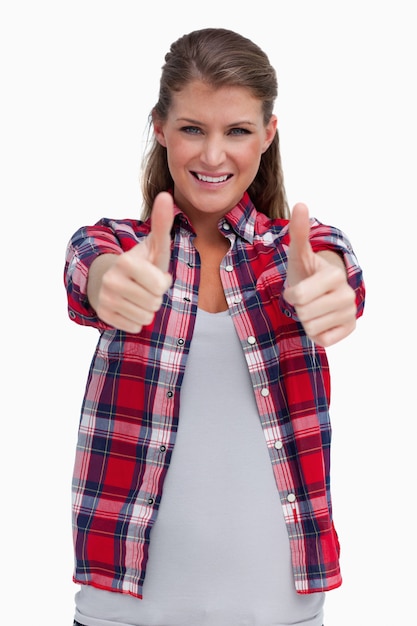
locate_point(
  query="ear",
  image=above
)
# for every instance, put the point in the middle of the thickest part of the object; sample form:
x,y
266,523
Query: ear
x,y
158,129
270,132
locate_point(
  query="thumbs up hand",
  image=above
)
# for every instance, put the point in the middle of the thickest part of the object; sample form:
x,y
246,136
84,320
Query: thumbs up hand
x,y
317,286
126,290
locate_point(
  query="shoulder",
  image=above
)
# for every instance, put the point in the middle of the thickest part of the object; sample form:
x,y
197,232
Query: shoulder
x,y
137,228
125,233
271,231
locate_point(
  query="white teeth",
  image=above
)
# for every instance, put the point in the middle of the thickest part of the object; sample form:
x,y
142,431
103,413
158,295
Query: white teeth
x,y
212,179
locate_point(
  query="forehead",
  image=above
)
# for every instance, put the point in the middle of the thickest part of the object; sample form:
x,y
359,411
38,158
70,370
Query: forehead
x,y
200,100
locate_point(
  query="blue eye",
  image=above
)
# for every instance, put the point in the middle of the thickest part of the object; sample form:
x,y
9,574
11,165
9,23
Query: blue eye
x,y
191,130
239,131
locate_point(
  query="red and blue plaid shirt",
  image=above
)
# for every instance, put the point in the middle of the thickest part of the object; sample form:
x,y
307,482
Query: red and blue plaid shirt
x,y
132,401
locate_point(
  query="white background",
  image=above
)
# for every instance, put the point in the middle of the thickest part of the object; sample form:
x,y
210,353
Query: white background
x,y
78,80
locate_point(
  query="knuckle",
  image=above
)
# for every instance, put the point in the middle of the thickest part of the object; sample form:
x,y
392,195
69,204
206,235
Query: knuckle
x,y
109,282
135,329
156,303
147,317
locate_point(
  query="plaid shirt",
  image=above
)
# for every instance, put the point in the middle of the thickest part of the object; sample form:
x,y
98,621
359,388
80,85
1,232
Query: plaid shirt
x,y
131,406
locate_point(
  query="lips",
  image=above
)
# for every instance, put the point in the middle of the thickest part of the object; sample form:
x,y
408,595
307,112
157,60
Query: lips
x,y
211,179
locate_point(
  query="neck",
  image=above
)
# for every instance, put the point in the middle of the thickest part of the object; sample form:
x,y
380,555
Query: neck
x,y
206,225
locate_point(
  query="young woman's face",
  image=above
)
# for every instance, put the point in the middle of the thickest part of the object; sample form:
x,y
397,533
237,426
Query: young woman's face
x,y
214,140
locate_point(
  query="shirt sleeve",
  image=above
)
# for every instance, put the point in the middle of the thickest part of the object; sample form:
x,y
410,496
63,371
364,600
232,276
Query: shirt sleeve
x,y
87,243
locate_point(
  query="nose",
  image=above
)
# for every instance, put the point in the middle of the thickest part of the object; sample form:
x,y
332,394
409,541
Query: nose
x,y
213,152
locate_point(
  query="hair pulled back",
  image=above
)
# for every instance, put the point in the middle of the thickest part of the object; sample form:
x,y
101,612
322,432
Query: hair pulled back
x,y
219,57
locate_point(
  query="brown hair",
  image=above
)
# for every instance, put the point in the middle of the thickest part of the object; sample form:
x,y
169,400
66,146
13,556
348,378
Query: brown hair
x,y
218,57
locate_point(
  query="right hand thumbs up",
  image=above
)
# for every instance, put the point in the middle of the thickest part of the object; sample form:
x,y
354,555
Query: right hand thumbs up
x,y
127,290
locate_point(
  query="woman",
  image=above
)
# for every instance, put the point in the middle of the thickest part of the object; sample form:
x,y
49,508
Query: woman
x,y
201,481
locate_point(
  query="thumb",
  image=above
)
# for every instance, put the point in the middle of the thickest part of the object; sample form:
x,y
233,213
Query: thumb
x,y
162,218
299,227
300,253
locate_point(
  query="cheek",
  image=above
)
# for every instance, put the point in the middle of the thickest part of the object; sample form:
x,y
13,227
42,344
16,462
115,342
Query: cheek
x,y
251,160
178,154
173,157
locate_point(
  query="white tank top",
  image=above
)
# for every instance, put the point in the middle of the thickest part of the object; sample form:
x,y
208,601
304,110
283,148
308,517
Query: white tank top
x,y
219,552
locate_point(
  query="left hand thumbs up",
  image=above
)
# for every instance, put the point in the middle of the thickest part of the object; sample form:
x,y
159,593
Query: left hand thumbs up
x,y
317,285
301,258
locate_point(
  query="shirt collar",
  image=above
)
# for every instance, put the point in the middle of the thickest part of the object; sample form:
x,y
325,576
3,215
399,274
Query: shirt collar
x,y
241,218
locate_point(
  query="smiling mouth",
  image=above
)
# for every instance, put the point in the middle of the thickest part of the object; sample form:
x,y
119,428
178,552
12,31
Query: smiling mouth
x,y
212,179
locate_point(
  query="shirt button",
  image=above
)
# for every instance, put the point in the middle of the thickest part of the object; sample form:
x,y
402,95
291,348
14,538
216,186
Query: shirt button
x,y
287,312
237,299
151,501
190,264
278,445
229,268
170,394
226,226
264,392
72,315
180,342
162,448
251,340
291,497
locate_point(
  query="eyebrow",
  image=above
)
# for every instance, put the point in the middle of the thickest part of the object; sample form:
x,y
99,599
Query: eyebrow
x,y
198,123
